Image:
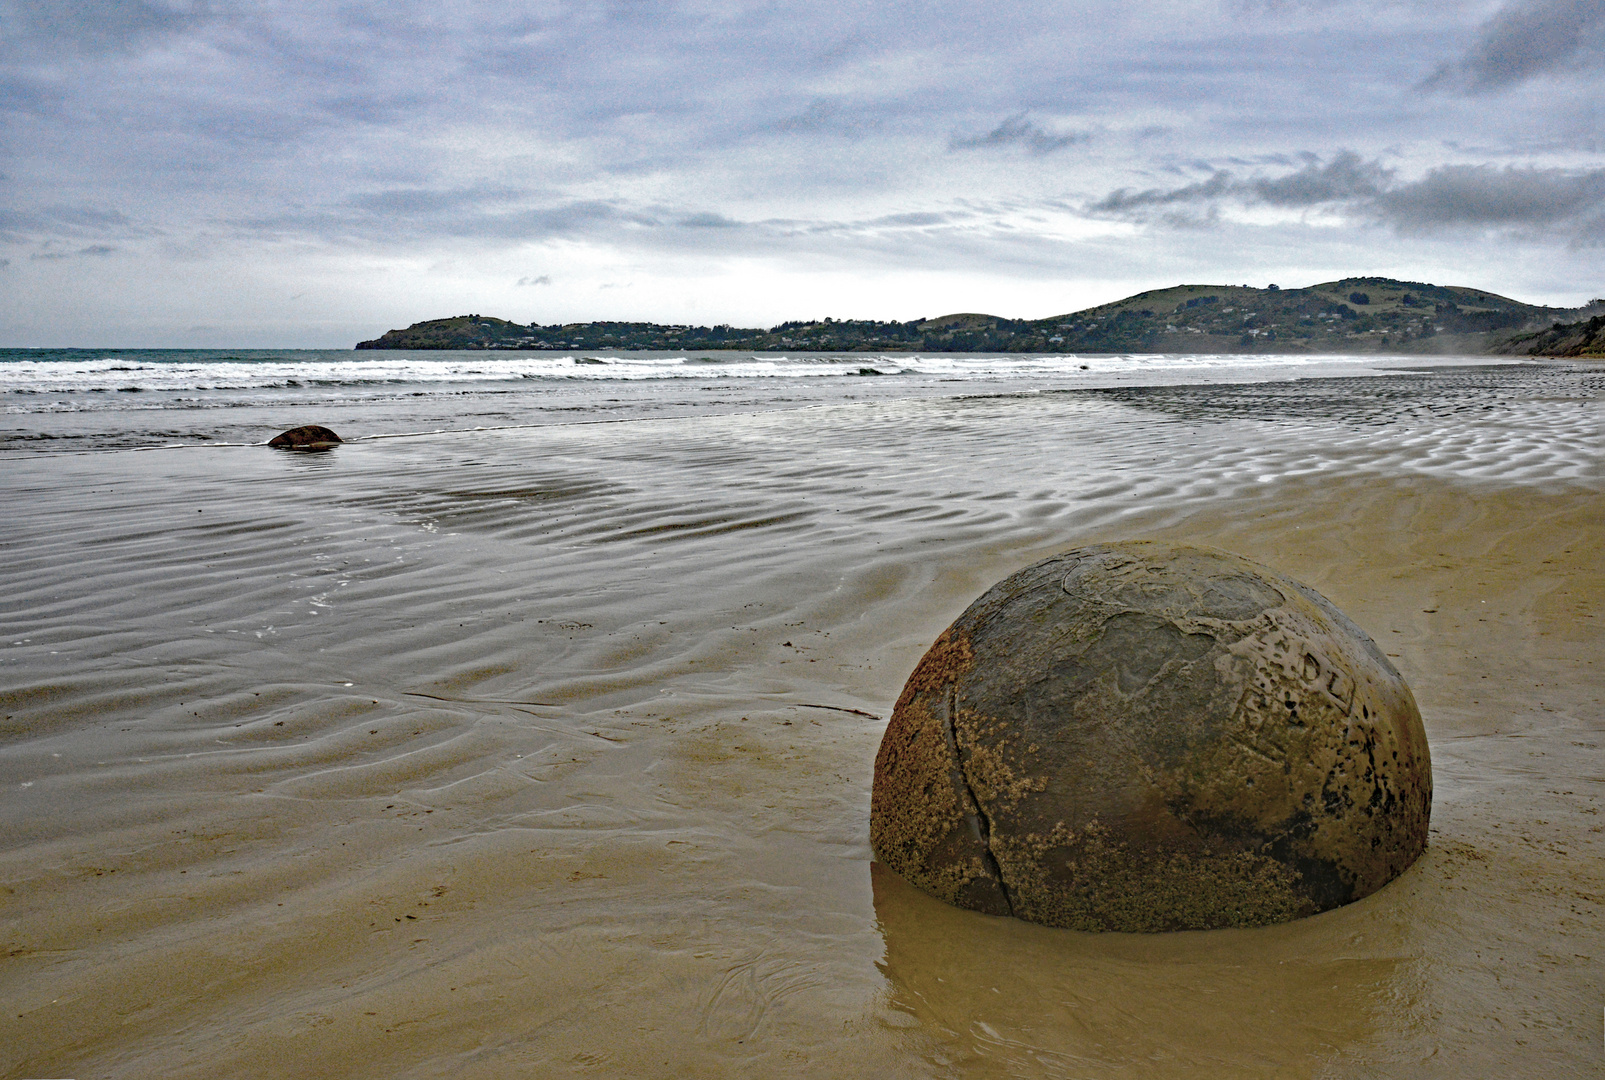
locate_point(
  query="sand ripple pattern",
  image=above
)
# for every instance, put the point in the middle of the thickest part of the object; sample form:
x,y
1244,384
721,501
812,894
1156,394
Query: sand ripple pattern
x,y
478,749
379,619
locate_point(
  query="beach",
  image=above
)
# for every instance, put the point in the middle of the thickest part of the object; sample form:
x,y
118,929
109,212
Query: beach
x,y
531,732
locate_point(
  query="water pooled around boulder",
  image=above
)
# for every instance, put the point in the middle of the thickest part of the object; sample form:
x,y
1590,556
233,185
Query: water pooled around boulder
x,y
1145,736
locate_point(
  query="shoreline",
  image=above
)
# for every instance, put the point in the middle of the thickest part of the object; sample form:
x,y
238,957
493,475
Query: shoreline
x,y
187,414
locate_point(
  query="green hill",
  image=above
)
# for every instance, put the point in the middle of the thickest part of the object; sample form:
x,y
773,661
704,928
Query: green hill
x,y
1354,315
459,332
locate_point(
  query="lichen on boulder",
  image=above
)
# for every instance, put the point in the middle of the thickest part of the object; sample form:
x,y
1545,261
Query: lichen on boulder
x,y
1144,736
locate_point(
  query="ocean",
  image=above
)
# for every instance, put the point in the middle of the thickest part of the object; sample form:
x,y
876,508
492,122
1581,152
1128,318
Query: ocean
x,y
106,398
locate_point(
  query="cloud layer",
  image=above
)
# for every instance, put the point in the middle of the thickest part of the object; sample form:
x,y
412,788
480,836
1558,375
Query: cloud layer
x,y
1522,203
634,160
1527,39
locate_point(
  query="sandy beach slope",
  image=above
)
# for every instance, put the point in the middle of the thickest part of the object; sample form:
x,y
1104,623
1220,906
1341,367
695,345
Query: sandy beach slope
x,y
547,752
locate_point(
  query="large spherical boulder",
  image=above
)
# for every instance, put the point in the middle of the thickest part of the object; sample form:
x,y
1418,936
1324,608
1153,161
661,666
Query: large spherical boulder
x,y
1146,736
306,437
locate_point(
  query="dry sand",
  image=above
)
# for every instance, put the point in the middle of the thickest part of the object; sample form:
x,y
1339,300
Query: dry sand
x,y
545,753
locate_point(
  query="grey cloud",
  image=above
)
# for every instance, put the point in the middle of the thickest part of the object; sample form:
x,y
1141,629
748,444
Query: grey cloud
x,y
96,25
905,238
1189,219
92,251
1124,201
708,221
21,95
1346,176
51,223
544,279
421,201
813,118
1524,39
1464,196
1018,131
83,217
1568,202
372,108
461,219
87,217
249,127
918,219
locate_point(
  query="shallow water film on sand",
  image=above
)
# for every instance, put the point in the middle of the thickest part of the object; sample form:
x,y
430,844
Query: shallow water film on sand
x,y
542,745
84,398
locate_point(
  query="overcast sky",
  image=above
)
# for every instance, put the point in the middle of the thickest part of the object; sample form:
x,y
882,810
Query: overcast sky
x,y
285,173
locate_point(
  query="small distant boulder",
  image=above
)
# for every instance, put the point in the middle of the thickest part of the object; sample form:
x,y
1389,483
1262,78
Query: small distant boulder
x,y
307,437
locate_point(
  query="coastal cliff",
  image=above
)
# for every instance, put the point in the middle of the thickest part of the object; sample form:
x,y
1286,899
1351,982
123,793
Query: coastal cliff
x,y
1584,340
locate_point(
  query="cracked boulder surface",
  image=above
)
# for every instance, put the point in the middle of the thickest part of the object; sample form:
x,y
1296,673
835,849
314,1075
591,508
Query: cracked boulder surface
x,y
1145,736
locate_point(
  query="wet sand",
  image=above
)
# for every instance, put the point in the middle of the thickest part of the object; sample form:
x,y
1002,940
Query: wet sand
x,y
547,752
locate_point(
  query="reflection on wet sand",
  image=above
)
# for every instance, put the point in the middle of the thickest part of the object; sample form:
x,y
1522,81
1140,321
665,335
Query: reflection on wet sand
x,y
995,996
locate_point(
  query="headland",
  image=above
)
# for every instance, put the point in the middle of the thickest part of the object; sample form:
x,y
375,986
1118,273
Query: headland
x,y
1353,315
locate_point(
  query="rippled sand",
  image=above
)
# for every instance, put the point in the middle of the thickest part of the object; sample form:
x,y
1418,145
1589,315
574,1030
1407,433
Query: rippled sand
x,y
547,752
